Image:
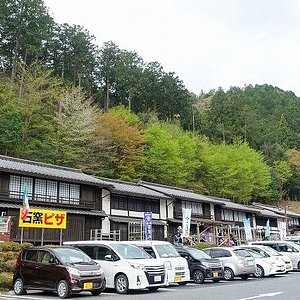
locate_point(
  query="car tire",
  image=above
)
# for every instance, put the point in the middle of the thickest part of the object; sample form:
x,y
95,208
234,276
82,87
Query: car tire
x,y
153,288
96,293
259,272
63,289
198,276
245,276
183,283
121,284
298,265
19,287
228,274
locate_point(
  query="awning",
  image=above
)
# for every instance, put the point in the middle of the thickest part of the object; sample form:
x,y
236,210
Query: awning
x,y
99,213
136,220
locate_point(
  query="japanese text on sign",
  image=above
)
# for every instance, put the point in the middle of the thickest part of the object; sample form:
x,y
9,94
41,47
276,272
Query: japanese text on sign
x,y
41,218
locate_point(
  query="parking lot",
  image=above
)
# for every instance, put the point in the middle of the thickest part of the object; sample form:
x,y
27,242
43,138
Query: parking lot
x,y
280,287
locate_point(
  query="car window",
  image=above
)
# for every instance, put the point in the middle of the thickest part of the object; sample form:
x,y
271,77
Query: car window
x,y
219,253
260,251
89,250
166,250
45,257
197,254
31,255
286,248
242,253
102,251
71,255
129,251
150,251
255,254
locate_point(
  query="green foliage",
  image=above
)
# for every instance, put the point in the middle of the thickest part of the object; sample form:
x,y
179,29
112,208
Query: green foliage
x,y
234,171
10,246
6,280
203,245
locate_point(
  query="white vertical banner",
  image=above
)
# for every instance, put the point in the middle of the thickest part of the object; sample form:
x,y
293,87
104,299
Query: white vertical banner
x,y
186,221
247,228
282,230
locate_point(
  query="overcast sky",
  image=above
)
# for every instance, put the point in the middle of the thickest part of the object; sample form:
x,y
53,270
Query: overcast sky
x,y
207,43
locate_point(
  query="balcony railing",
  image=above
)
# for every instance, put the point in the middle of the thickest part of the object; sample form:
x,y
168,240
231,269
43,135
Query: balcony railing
x,y
39,199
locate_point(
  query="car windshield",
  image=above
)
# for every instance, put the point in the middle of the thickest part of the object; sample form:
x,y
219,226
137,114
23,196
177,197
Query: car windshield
x,y
72,255
255,254
128,251
166,250
197,254
271,251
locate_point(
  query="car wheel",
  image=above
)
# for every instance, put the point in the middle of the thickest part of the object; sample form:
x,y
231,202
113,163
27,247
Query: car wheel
x,y
198,276
259,272
298,265
121,284
182,283
244,277
228,274
19,287
96,293
153,288
63,289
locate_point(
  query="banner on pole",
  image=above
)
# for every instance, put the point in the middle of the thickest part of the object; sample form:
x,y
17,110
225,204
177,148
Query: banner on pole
x,y
148,225
186,221
42,218
247,228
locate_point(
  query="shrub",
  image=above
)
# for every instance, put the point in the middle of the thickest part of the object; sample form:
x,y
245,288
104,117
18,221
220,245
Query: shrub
x,y
10,246
202,245
26,245
6,280
10,255
9,266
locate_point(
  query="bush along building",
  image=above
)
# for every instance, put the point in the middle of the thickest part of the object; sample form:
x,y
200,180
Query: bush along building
x,y
67,204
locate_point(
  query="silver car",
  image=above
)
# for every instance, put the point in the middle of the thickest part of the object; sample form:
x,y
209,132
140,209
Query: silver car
x,y
236,262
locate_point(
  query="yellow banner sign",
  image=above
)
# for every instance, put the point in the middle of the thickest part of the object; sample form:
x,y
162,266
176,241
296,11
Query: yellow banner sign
x,y
42,218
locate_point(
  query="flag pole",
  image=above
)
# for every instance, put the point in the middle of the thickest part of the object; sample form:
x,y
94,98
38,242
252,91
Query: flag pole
x,y
21,235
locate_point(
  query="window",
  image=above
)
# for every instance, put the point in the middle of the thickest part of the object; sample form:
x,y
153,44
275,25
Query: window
x,y
31,255
17,184
118,202
69,193
45,190
197,208
227,215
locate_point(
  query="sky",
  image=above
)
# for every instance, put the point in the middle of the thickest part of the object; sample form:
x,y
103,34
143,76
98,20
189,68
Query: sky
x,y
207,43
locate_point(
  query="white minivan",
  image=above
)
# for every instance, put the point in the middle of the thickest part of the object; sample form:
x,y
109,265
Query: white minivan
x,y
177,266
125,266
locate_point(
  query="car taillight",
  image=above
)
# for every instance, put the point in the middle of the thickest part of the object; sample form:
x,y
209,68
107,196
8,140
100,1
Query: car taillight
x,y
18,262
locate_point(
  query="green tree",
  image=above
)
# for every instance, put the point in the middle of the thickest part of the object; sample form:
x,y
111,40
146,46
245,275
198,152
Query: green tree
x,y
234,171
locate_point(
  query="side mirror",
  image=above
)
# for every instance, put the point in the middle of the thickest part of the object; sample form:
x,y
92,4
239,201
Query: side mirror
x,y
108,257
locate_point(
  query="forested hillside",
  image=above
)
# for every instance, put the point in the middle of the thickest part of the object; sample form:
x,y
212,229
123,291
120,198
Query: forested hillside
x,y
67,101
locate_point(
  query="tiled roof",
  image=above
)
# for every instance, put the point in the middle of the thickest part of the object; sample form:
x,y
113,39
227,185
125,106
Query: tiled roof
x,y
130,188
175,192
276,210
135,220
26,167
99,213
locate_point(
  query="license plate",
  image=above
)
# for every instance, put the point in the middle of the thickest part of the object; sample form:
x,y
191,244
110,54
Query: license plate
x,y
177,279
87,285
157,278
215,274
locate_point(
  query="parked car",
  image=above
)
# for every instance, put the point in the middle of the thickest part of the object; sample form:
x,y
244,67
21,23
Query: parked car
x,y
236,262
266,264
290,249
126,266
64,270
201,265
177,267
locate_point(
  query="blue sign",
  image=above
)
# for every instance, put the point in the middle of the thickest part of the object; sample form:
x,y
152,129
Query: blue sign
x,y
148,225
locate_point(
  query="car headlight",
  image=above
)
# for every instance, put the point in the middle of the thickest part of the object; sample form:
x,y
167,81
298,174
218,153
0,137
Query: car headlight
x,y
168,265
137,266
205,264
74,271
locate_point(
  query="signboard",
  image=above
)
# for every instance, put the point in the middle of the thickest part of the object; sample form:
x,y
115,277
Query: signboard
x,y
186,221
282,230
42,218
148,225
4,224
